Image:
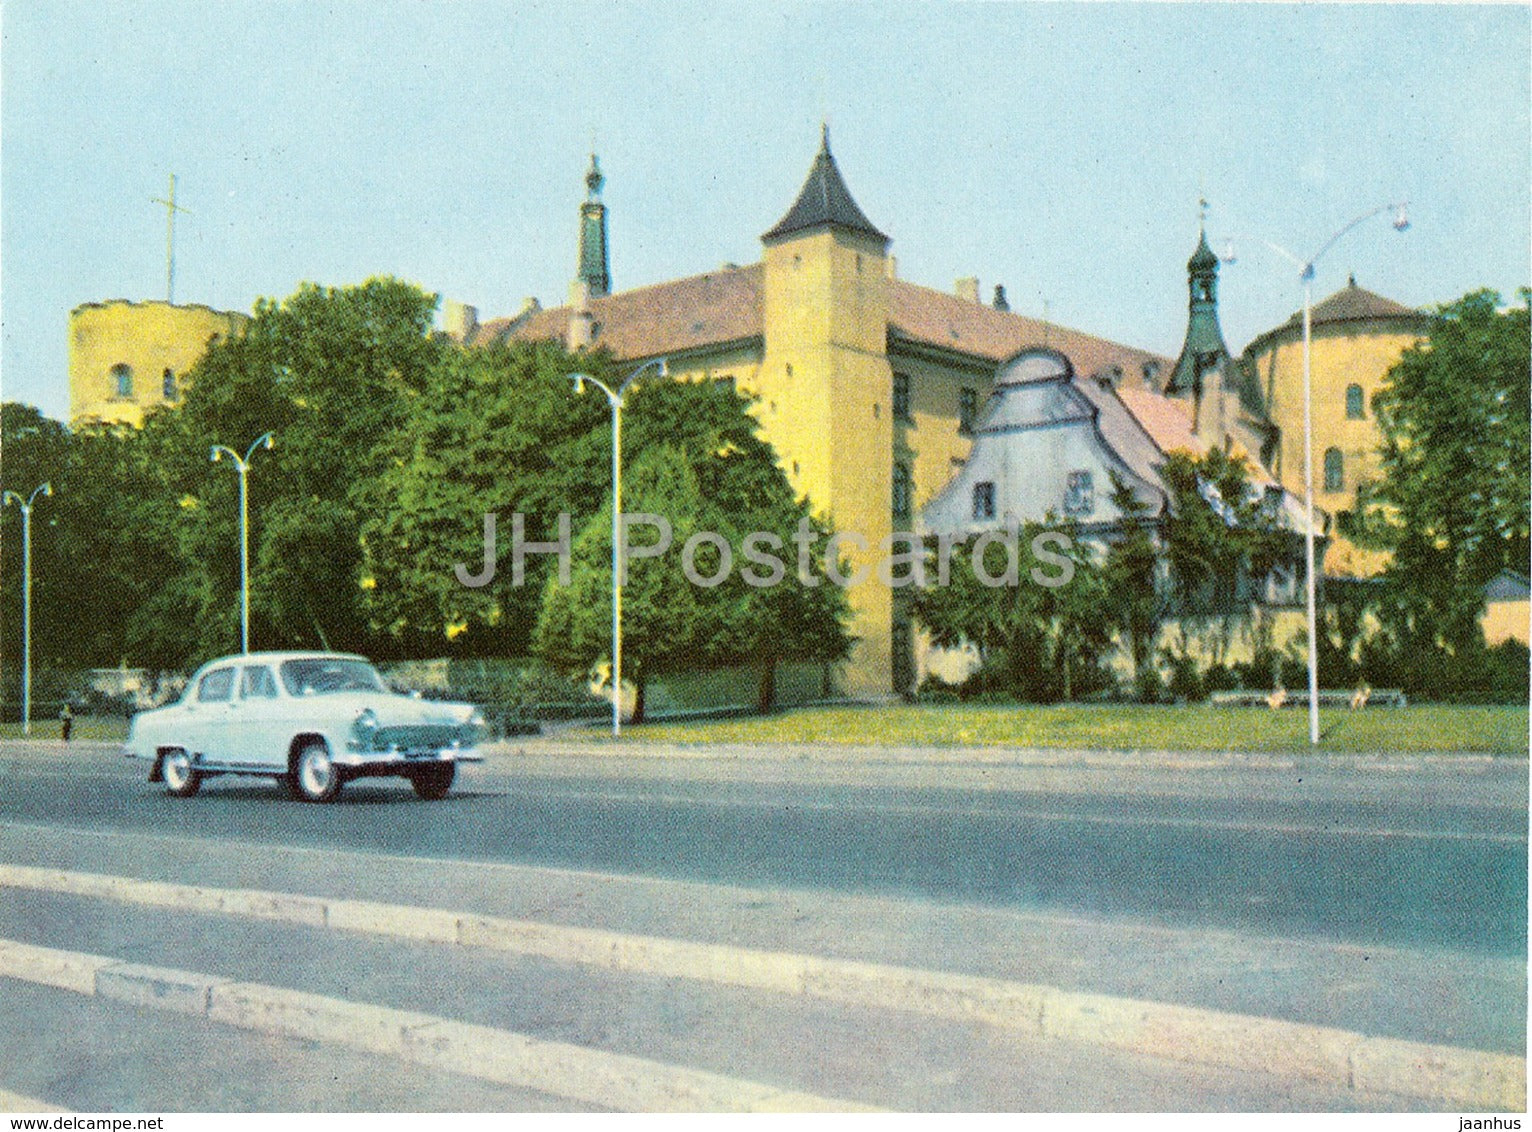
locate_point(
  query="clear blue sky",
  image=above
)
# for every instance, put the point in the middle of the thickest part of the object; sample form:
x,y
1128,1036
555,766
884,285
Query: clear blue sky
x,y
1059,149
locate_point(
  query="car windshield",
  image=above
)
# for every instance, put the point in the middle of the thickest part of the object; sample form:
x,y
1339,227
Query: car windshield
x,y
322,675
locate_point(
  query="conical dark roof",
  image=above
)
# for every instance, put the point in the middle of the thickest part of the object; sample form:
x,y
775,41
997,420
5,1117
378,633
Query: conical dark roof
x,y
824,202
1203,258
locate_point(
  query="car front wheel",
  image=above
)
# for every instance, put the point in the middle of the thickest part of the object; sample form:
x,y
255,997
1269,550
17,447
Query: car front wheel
x,y
433,782
317,778
181,778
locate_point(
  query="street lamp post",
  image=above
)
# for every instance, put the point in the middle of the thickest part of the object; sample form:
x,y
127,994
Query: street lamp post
x,y
615,399
26,597
243,464
1306,275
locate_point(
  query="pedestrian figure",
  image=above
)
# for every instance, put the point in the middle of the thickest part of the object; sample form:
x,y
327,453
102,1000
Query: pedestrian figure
x,y
66,723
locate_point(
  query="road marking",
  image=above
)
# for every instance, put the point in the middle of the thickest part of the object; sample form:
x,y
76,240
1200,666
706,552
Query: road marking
x,y
15,1102
609,1080
1474,1078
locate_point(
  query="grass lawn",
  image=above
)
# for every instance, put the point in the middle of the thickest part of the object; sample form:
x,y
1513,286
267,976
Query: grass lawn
x,y
100,728
1120,727
1124,727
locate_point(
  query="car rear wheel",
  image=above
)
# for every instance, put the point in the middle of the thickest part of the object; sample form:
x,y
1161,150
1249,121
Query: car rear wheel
x,y
181,778
433,782
317,778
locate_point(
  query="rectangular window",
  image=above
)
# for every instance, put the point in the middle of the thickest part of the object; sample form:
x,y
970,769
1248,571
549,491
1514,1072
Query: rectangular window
x,y
1080,496
257,684
216,686
984,500
968,409
902,396
903,490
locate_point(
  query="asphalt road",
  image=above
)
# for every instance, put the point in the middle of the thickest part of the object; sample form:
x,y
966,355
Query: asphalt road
x,y
1431,853
1369,896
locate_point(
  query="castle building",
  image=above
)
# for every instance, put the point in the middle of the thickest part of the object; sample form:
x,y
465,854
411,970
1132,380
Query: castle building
x,y
126,358
868,387
1355,338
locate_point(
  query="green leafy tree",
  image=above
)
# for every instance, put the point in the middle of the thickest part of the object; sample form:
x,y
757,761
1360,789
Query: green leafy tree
x,y
695,456
331,372
497,431
1454,496
1036,642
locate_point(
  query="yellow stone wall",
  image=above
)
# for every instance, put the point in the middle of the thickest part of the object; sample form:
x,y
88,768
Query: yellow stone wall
x,y
1506,621
931,439
1342,354
827,392
149,338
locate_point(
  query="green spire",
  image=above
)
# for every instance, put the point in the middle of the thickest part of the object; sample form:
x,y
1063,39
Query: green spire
x,y
594,270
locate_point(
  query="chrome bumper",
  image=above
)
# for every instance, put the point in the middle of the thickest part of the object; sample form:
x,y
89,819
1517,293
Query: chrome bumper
x,y
356,759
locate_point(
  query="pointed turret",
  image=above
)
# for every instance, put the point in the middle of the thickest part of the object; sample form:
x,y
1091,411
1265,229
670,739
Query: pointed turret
x,y
595,277
824,202
1204,349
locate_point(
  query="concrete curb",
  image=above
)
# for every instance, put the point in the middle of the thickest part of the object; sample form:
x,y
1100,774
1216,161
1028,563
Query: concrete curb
x,y
607,1080
1444,1074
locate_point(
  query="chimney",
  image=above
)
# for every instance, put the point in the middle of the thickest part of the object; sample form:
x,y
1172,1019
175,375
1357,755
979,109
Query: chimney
x,y
1000,303
459,320
892,267
967,289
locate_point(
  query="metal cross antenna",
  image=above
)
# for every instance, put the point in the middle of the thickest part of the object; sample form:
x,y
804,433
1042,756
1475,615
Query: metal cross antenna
x,y
26,597
1306,275
243,464
615,399
171,208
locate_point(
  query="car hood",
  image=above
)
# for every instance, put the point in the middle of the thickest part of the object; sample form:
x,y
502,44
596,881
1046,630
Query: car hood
x,y
391,709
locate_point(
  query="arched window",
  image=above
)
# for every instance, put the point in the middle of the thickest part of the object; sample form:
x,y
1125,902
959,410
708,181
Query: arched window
x,y
122,379
1335,470
1356,405
168,388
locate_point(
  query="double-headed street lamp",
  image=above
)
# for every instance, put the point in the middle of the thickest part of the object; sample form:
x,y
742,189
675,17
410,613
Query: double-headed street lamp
x,y
26,597
1400,222
243,464
615,399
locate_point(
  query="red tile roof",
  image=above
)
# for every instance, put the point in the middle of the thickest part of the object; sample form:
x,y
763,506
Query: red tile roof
x,y
726,306
667,318
935,318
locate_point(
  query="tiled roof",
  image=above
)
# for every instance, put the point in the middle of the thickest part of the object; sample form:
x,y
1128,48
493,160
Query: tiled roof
x,y
1166,421
824,202
1352,304
726,306
935,318
683,314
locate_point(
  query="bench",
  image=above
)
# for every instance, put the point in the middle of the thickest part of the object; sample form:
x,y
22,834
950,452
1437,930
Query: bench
x,y
1356,698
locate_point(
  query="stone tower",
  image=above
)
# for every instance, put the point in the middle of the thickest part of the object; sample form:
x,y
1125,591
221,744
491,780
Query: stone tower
x,y
1226,406
825,368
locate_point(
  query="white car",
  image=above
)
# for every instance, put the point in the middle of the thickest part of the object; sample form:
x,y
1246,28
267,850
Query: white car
x,y
311,720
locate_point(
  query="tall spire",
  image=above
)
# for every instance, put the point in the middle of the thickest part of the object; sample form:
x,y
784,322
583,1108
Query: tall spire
x,y
1204,349
824,201
595,274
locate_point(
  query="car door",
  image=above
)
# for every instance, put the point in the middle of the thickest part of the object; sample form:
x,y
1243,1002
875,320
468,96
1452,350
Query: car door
x,y
255,739
209,715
